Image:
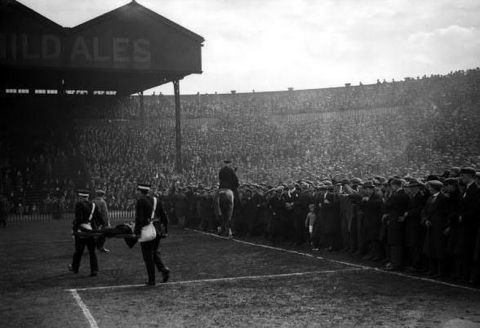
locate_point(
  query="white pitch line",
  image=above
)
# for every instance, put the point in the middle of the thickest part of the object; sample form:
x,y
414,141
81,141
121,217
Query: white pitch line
x,y
285,250
365,267
86,311
199,281
438,282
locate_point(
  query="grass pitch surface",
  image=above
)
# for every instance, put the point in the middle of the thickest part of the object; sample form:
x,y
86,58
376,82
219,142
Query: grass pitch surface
x,y
263,287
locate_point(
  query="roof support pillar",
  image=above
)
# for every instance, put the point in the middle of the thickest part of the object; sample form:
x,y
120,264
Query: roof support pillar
x,y
142,110
178,129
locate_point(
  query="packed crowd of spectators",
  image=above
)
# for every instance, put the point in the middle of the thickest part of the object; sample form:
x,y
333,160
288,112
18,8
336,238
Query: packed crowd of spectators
x,y
39,164
427,226
417,127
429,124
350,97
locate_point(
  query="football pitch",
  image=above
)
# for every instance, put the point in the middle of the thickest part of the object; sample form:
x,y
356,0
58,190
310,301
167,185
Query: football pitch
x,y
215,282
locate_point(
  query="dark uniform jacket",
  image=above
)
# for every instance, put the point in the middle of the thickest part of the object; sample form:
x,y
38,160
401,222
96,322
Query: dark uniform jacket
x,y
83,209
143,213
228,178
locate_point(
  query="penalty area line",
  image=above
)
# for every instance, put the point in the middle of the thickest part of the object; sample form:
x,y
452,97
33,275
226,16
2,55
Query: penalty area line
x,y
200,281
85,310
364,267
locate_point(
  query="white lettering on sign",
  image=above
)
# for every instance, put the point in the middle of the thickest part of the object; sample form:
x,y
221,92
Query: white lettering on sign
x,y
14,47
97,57
120,50
25,51
80,49
141,51
51,47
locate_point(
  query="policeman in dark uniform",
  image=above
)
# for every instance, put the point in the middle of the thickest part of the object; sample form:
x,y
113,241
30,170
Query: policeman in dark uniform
x,y
86,216
143,215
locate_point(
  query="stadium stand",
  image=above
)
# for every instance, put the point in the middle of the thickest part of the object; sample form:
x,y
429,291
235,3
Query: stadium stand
x,y
291,142
417,127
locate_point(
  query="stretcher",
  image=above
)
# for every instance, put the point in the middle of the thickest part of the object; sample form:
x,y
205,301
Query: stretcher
x,y
100,234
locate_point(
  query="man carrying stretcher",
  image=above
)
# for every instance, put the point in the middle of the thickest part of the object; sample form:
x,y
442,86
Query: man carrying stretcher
x,y
88,228
88,225
86,219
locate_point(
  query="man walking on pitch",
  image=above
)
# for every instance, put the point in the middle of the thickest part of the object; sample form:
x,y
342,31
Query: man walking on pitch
x,y
149,209
84,223
101,205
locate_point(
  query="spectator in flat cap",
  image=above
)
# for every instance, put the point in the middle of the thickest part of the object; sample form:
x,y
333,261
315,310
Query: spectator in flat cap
x,y
345,182
395,207
468,171
435,220
356,182
414,183
468,226
431,177
372,208
329,220
396,182
437,184
454,199
276,206
376,182
414,231
345,208
451,182
454,172
381,179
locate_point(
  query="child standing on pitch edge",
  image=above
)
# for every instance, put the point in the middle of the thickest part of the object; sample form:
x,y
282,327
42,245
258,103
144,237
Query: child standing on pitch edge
x,y
309,224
